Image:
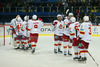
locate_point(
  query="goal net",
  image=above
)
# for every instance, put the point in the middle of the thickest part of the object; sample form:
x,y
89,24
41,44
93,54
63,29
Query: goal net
x,y
2,35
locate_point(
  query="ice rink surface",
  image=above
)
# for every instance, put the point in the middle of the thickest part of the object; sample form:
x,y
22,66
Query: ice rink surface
x,y
44,55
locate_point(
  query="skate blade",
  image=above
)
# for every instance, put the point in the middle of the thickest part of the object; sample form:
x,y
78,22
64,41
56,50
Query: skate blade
x,y
75,59
83,62
60,52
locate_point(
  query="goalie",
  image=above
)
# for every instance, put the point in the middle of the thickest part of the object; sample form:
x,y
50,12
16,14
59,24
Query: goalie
x,y
12,28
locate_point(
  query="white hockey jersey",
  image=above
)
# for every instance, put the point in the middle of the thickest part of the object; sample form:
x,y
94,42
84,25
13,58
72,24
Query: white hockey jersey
x,y
66,30
74,30
12,23
85,31
58,27
34,26
24,29
17,27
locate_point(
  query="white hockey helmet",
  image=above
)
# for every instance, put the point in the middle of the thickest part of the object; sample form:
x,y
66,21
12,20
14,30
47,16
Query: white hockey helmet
x,y
17,16
59,15
73,19
34,17
86,18
18,19
26,18
70,14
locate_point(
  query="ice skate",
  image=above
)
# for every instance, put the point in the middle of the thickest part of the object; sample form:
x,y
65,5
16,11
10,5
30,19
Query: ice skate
x,y
33,50
17,48
75,58
59,50
82,59
55,50
69,54
65,53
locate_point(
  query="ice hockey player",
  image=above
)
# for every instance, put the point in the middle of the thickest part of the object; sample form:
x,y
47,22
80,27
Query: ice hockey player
x,y
17,27
13,32
66,36
85,38
28,31
25,33
34,27
74,36
58,33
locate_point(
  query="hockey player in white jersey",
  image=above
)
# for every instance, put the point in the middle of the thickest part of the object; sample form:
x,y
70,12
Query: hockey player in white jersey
x,y
13,32
85,38
74,36
34,27
25,33
58,34
66,36
17,27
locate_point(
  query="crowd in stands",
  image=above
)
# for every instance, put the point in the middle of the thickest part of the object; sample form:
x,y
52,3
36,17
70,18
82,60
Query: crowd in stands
x,y
62,5
79,6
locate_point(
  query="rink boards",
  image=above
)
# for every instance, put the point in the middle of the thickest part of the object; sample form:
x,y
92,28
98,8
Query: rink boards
x,y
46,31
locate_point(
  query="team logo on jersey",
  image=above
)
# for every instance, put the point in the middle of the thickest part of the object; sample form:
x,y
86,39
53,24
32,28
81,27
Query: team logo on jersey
x,y
35,26
61,26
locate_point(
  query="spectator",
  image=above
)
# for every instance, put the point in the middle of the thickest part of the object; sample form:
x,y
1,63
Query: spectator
x,y
81,14
1,7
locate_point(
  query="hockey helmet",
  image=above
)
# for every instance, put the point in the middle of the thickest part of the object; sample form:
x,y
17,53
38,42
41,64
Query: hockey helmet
x,y
86,18
34,17
73,19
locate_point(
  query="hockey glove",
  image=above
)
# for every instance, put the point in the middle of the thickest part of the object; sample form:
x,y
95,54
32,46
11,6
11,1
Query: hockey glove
x,y
66,26
80,45
72,41
23,36
79,40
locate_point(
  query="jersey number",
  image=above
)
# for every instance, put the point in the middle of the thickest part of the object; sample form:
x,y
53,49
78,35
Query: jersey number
x,y
35,26
89,30
18,26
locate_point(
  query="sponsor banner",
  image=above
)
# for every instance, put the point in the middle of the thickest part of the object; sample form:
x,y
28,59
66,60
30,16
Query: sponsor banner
x,y
96,30
48,31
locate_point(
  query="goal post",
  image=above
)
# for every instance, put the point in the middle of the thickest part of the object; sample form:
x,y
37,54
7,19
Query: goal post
x,y
2,35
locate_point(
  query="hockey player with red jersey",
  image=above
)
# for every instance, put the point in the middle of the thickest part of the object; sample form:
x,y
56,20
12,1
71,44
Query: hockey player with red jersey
x,y
74,36
66,36
58,33
85,38
34,28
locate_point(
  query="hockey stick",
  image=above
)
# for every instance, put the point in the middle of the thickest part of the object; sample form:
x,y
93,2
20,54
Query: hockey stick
x,y
91,56
10,40
10,35
67,11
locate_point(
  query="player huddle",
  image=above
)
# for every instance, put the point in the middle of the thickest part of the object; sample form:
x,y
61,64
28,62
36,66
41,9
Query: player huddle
x,y
72,34
25,33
